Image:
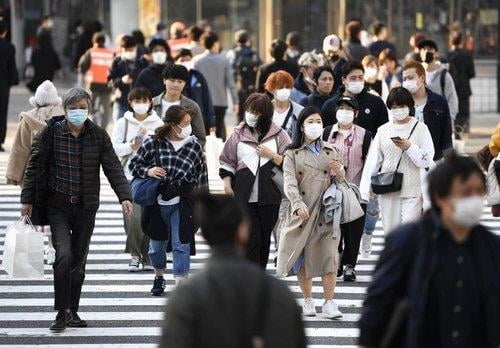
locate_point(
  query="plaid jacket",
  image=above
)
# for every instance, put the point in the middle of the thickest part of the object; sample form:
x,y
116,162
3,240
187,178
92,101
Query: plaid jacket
x,y
185,166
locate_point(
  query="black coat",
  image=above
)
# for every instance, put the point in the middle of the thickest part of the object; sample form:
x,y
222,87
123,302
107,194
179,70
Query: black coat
x,y
97,151
197,90
122,67
152,79
372,110
267,69
227,303
402,275
462,71
437,119
8,70
45,63
315,99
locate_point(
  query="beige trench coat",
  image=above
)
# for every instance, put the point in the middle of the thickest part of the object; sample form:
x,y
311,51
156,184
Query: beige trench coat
x,y
306,178
30,122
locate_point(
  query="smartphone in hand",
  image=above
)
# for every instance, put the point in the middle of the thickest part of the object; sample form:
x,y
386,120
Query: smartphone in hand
x,y
396,138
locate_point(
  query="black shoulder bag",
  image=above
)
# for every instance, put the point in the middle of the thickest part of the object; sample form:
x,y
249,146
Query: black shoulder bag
x,y
389,182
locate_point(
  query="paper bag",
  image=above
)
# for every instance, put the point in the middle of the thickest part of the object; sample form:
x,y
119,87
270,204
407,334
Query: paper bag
x,y
23,250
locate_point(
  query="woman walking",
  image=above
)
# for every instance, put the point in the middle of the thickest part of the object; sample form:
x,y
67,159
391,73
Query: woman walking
x,y
405,145
250,154
176,158
307,247
353,142
136,125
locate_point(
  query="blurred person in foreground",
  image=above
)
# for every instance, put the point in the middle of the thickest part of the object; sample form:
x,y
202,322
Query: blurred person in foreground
x,y
437,280
231,302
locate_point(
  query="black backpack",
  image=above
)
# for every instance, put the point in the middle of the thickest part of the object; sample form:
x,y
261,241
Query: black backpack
x,y
245,68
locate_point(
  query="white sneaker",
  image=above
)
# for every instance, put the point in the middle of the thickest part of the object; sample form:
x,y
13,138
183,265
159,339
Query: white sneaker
x,y
366,245
308,308
170,258
331,310
134,265
50,255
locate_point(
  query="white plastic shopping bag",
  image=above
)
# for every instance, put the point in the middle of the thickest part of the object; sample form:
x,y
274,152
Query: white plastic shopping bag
x,y
23,250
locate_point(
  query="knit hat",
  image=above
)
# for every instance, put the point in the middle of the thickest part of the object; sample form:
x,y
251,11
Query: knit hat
x,y
46,94
332,43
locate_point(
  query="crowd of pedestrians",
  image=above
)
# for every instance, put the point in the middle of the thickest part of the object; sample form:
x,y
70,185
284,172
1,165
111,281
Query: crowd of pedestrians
x,y
324,142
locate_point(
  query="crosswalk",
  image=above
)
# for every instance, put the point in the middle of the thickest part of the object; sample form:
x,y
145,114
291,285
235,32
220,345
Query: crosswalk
x,y
118,305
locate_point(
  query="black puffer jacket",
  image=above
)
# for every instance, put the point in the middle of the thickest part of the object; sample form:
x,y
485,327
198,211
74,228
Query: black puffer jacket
x,y
97,151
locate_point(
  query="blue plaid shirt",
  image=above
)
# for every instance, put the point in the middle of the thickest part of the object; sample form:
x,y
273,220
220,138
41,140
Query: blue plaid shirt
x,y
66,162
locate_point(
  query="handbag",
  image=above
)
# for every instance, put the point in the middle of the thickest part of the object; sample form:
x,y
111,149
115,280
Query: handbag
x,y
351,206
145,190
389,182
23,250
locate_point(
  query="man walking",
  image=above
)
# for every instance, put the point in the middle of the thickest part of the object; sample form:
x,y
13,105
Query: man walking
x,y
95,65
61,189
231,302
8,77
217,70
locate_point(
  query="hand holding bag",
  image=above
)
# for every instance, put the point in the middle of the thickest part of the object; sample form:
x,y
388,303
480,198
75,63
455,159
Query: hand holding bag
x,y
389,182
351,206
145,190
23,250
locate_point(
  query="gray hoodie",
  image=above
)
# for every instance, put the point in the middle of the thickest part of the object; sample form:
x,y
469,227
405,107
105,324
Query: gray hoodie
x,y
433,81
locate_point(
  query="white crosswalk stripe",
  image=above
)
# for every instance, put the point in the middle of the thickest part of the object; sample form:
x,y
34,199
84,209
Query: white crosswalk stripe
x,y
120,310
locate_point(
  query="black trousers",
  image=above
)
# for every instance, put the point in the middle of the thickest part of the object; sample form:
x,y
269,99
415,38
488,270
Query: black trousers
x,y
4,104
220,126
462,121
351,234
71,227
263,219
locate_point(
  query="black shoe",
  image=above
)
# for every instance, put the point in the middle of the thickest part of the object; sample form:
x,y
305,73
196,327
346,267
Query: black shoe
x,y
2,149
349,274
340,271
63,318
77,321
158,286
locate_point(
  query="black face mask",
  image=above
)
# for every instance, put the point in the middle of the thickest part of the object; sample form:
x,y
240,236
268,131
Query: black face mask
x,y
429,57
334,57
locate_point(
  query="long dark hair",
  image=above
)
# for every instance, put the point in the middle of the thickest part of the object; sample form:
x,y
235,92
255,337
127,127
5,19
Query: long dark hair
x,y
298,136
173,116
260,104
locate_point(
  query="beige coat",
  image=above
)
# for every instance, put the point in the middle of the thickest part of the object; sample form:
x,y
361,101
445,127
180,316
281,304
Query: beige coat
x,y
306,178
30,122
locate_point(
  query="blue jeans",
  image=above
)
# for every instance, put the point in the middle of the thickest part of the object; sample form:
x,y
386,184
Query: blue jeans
x,y
372,212
170,215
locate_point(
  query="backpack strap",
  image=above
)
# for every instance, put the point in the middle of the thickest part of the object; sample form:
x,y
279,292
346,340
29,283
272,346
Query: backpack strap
x,y
288,115
442,80
126,132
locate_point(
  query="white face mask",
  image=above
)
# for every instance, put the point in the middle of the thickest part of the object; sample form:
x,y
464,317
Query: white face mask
x,y
313,130
371,73
159,57
129,55
251,119
355,87
345,117
468,210
411,86
400,114
187,64
283,94
185,131
140,108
